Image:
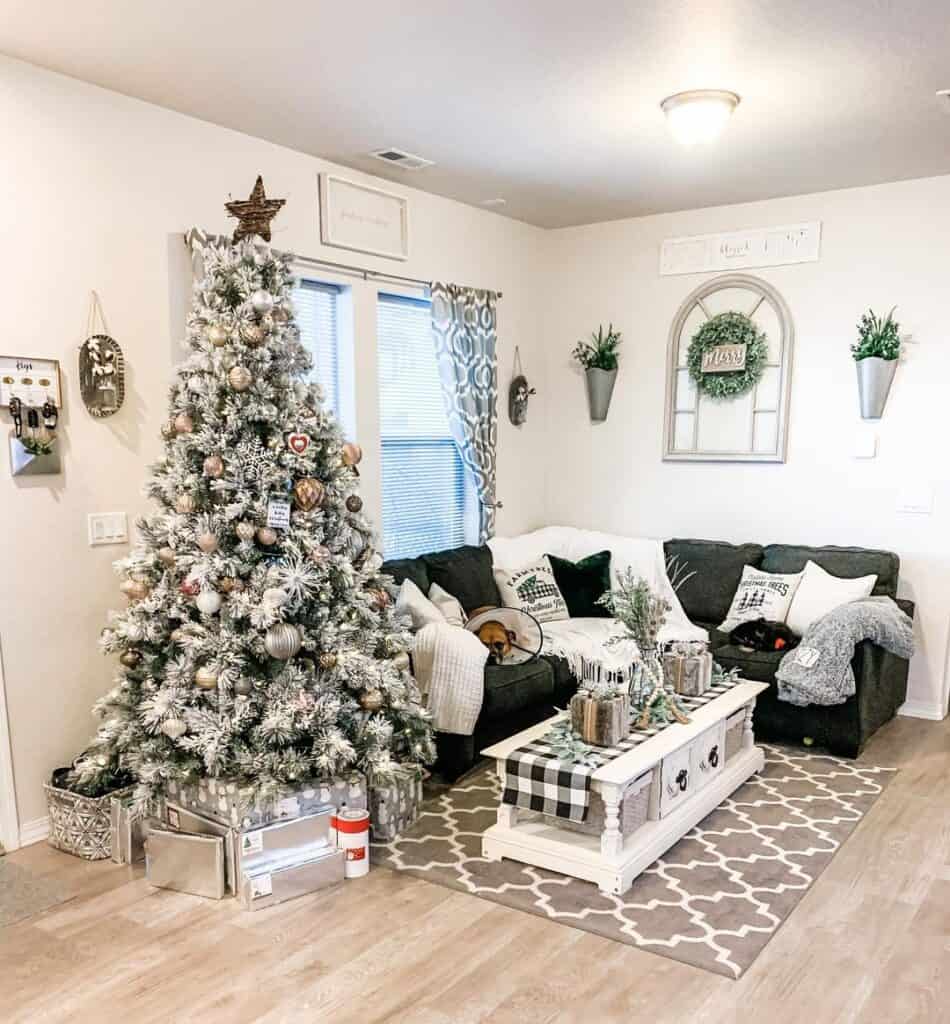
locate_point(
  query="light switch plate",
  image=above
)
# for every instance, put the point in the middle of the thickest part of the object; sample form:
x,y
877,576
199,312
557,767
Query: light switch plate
x,y
107,528
916,499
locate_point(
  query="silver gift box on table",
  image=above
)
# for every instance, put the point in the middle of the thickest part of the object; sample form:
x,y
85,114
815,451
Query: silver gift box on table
x,y
185,862
129,830
394,803
224,800
268,884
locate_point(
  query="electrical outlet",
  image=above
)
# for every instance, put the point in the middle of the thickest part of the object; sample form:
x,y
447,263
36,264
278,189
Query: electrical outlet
x,y
107,528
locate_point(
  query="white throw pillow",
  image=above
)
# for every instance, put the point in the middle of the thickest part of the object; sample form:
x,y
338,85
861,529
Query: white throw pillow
x,y
533,589
412,602
452,612
819,593
761,595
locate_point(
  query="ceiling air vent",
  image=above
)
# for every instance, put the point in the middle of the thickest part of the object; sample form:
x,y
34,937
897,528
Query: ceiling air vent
x,y
400,158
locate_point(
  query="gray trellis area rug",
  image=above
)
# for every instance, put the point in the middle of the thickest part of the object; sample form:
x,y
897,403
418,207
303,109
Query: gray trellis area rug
x,y
714,900
24,894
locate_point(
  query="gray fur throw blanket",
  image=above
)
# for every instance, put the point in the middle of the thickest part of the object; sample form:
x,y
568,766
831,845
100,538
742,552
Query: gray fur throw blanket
x,y
819,670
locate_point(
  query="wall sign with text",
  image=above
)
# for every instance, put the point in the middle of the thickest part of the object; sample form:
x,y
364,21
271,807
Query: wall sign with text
x,y
363,218
740,250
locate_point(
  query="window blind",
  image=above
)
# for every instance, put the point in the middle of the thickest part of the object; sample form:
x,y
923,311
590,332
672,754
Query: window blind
x,y
424,480
316,305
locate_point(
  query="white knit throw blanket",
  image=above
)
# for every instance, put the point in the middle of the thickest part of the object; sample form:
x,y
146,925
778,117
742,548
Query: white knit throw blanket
x,y
449,665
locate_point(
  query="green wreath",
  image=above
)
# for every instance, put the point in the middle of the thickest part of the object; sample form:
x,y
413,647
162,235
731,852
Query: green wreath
x,y
728,329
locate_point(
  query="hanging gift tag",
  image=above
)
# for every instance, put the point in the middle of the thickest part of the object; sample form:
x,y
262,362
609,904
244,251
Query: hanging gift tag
x,y
278,513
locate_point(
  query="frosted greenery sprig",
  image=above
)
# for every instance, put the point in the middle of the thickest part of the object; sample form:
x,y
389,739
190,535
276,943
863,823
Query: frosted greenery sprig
x,y
568,747
642,611
878,337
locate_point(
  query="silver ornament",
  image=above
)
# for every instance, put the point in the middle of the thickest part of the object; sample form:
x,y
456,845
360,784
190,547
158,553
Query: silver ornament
x,y
217,335
208,542
208,602
245,530
282,641
275,597
174,728
262,302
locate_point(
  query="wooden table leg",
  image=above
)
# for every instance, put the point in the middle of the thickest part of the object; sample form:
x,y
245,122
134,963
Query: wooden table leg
x,y
748,737
611,840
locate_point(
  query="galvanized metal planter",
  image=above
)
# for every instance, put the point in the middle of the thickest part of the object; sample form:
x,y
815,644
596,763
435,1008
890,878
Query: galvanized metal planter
x,y
600,388
875,376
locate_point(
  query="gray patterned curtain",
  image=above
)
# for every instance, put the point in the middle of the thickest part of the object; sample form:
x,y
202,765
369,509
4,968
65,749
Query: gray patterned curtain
x,y
463,322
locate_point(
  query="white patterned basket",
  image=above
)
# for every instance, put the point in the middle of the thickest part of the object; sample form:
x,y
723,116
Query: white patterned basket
x,y
81,825
634,806
734,729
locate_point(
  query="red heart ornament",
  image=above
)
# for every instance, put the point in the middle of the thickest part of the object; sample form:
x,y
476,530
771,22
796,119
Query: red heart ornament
x,y
298,443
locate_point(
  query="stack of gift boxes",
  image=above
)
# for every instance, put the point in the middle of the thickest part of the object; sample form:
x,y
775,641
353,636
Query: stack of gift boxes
x,y
207,839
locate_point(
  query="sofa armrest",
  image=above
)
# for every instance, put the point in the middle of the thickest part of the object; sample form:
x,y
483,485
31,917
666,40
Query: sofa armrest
x,y
881,684
906,606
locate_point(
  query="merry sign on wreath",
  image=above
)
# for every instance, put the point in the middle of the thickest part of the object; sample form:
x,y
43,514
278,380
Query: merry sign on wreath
x,y
727,355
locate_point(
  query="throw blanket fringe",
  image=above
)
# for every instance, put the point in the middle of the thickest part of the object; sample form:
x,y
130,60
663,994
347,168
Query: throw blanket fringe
x,y
819,670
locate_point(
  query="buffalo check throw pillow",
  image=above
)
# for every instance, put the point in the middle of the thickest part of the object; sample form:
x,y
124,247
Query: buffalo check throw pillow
x,y
533,589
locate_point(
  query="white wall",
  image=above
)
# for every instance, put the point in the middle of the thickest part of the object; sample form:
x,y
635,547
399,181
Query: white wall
x,y
880,246
96,192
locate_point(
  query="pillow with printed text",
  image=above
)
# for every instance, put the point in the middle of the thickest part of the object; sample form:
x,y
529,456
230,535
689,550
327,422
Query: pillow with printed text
x,y
761,595
533,589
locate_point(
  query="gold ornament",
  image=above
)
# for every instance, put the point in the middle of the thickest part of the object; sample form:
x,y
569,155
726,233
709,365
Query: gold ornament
x,y
262,302
240,378
245,530
166,556
255,213
253,335
320,554
213,466
354,503
380,598
282,641
134,590
206,678
185,503
371,700
401,661
130,658
229,583
208,542
183,423
309,493
266,536
352,454
218,335
327,660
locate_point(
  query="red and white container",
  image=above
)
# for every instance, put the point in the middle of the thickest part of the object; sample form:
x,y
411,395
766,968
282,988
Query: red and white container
x,y
352,836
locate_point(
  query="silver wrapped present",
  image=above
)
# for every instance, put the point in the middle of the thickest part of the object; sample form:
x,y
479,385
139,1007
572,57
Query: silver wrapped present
x,y
394,803
267,885
185,862
247,850
128,829
687,668
224,800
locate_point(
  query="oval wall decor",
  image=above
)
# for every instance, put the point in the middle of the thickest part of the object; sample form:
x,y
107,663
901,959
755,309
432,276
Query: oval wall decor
x,y
102,375
752,424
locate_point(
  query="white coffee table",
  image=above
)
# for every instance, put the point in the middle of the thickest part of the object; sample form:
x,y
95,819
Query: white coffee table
x,y
610,860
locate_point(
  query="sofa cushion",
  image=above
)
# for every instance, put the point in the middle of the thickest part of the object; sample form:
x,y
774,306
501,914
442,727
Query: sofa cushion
x,y
717,568
583,583
466,573
760,666
839,561
509,688
409,569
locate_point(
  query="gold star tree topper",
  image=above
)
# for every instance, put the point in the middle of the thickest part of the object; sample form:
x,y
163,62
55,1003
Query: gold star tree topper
x,y
255,213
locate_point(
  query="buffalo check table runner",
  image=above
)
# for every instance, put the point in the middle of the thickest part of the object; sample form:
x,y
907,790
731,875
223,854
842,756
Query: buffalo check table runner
x,y
536,780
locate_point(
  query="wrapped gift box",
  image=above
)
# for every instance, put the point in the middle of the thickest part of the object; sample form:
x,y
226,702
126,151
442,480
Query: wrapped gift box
x,y
394,803
128,831
224,800
687,668
270,884
185,862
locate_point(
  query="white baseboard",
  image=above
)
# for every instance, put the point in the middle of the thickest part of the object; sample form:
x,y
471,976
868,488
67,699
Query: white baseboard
x,y
922,709
34,831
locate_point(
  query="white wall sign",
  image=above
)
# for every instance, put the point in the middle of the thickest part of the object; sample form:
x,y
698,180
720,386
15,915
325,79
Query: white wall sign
x,y
739,250
31,380
363,218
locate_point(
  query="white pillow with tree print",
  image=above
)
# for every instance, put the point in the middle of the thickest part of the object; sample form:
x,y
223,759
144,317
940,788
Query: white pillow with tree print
x,y
532,588
761,595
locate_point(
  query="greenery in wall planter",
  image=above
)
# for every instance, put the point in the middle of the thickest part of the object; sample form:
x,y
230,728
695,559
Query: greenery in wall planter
x,y
599,359
876,353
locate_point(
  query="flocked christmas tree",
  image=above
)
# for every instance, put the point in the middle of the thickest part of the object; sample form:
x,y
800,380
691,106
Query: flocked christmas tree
x,y
259,641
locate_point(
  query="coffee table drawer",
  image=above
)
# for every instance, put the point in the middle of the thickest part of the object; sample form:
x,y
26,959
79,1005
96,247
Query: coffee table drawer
x,y
676,779
707,755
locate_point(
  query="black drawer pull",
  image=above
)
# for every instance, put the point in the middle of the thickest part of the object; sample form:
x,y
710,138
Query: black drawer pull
x,y
714,756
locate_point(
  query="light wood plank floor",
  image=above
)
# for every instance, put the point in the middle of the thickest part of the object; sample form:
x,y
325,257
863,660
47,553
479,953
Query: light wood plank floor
x,y
869,944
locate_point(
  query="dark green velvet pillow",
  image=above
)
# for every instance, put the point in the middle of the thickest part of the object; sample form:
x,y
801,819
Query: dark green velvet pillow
x,y
582,583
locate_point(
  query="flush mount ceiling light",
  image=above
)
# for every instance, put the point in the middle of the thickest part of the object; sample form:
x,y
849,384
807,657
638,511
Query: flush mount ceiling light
x,y
699,115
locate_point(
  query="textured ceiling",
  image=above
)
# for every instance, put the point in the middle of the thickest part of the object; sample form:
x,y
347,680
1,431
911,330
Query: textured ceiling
x,y
552,105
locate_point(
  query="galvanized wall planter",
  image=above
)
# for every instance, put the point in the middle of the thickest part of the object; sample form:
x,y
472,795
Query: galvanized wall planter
x,y
102,375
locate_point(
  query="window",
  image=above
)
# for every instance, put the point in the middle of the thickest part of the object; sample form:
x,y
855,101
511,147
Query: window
x,y
428,500
318,317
